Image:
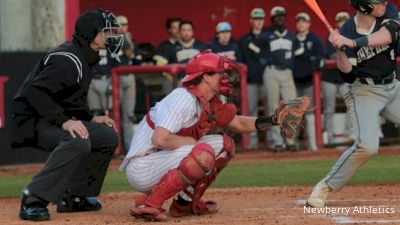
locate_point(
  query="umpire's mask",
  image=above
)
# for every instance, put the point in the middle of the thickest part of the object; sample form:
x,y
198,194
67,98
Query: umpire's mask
x,y
114,39
92,22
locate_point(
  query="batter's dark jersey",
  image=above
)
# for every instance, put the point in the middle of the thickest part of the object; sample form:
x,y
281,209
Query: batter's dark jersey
x,y
373,62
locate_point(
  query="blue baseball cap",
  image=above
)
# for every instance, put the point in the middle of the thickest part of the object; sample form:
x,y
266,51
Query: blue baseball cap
x,y
223,27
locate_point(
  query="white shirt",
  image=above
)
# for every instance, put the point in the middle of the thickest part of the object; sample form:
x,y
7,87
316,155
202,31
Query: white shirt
x,y
180,109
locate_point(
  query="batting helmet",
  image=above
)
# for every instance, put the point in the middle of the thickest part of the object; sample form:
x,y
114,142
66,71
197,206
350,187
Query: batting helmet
x,y
208,62
365,6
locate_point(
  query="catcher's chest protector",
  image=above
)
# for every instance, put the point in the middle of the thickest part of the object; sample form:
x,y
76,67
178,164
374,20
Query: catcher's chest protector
x,y
213,113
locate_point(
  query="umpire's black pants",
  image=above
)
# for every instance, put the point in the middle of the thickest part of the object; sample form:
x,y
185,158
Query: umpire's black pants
x,y
75,164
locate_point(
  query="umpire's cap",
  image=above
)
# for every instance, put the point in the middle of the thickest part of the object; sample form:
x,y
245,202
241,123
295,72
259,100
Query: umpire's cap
x,y
89,24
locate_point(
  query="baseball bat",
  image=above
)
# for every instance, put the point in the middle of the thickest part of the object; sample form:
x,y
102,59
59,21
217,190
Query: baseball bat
x,y
317,10
313,5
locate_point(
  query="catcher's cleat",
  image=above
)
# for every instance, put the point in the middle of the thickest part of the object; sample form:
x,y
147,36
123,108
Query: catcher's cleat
x,y
148,213
203,208
177,210
141,210
318,196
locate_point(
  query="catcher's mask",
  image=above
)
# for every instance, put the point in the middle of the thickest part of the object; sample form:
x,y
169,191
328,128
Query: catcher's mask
x,y
208,62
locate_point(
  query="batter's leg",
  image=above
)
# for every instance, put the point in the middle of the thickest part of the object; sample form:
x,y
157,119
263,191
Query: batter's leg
x,y
367,107
392,109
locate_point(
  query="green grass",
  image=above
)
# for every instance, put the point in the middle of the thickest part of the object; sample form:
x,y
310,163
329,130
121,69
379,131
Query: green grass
x,y
381,170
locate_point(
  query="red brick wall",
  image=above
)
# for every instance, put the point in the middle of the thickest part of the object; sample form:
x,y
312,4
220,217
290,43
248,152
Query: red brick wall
x,y
147,18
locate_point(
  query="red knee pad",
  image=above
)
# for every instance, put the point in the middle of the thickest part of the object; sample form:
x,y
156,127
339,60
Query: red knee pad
x,y
198,163
228,145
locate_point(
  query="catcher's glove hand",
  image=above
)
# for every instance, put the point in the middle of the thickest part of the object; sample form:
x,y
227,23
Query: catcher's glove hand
x,y
289,115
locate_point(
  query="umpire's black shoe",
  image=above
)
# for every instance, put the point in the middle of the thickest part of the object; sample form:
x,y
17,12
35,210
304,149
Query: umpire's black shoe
x,y
78,204
33,207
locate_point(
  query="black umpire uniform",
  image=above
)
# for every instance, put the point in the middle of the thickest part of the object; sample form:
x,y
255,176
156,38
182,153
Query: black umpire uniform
x,y
53,93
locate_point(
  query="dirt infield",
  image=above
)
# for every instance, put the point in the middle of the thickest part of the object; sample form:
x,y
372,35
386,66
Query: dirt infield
x,y
279,205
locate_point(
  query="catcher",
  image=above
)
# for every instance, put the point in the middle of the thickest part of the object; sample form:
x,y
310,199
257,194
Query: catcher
x,y
175,148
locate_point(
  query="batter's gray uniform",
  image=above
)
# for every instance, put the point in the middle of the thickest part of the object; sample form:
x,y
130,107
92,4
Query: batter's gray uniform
x,y
374,92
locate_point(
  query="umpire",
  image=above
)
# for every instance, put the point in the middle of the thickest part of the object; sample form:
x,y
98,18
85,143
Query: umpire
x,y
50,112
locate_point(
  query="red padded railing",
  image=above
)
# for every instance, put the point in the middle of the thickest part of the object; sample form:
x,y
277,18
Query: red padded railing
x,y
172,69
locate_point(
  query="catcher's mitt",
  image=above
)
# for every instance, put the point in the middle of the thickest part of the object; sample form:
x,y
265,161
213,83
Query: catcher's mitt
x,y
289,115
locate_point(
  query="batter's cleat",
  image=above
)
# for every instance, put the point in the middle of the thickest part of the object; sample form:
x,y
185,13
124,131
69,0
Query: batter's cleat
x,y
318,196
33,208
78,204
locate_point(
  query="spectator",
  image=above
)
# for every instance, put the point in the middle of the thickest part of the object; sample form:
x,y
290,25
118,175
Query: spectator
x,y
308,58
278,77
128,40
253,49
99,94
188,46
332,85
223,44
127,84
167,50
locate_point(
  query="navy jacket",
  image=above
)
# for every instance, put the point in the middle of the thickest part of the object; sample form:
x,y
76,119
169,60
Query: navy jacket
x,y
253,49
307,58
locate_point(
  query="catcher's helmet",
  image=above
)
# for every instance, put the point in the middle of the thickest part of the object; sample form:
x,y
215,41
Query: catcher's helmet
x,y
208,62
365,6
92,22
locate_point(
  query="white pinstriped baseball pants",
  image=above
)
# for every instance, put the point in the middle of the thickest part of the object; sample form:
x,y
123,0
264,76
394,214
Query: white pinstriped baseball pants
x,y
145,172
